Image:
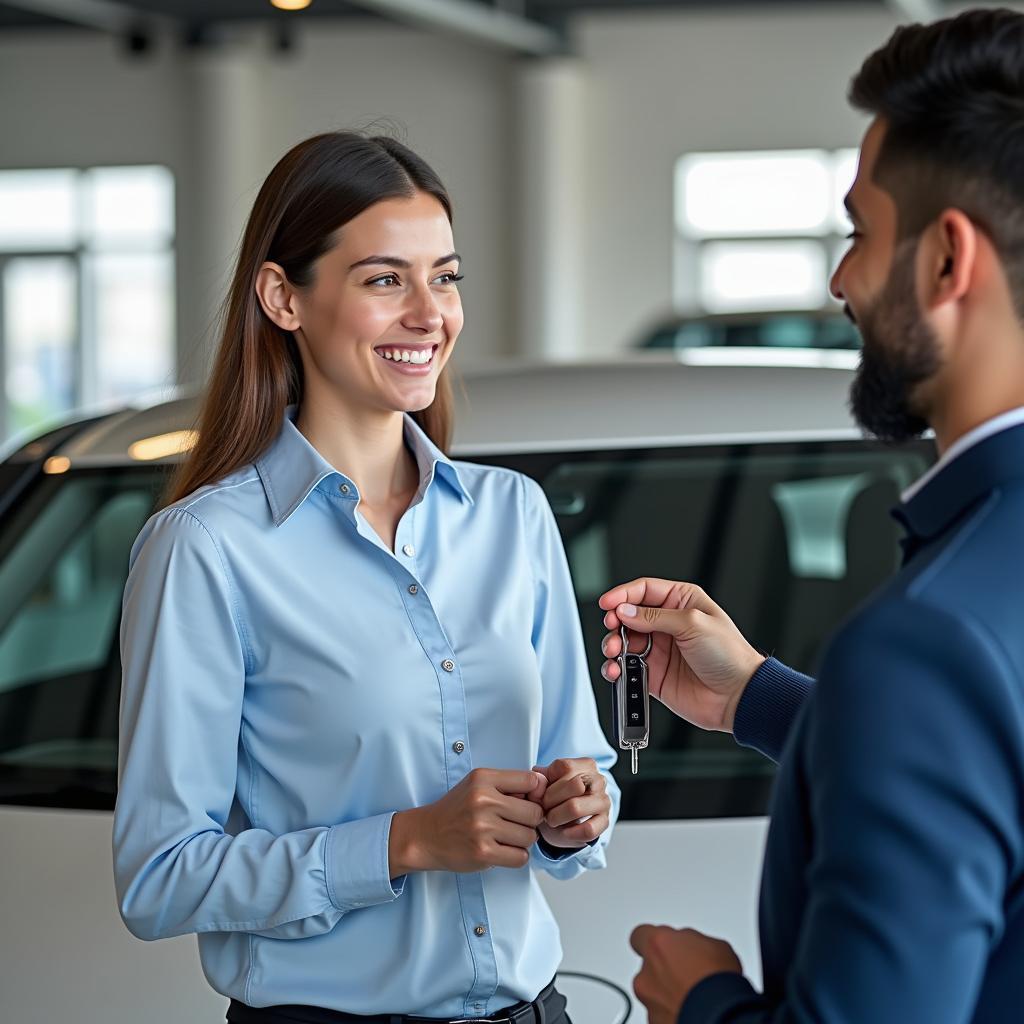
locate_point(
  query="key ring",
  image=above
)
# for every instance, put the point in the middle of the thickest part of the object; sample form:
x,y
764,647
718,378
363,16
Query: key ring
x,y
624,632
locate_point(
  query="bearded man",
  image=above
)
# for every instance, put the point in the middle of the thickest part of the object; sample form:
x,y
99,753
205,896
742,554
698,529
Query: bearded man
x,y
893,882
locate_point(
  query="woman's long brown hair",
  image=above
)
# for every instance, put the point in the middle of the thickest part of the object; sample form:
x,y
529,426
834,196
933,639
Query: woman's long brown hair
x,y
317,187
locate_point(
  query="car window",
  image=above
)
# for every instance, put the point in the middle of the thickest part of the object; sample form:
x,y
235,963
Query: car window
x,y
63,565
787,538
793,330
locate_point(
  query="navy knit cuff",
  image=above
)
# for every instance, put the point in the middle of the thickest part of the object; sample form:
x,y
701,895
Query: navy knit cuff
x,y
768,707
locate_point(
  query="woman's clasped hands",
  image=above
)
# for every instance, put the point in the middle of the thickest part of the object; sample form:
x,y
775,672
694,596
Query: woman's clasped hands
x,y
575,802
493,816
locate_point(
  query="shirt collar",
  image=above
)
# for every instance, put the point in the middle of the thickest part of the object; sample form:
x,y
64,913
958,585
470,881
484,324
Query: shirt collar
x,y
1004,421
291,467
978,463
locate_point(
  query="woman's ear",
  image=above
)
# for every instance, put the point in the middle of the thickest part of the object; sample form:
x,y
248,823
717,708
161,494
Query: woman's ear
x,y
277,297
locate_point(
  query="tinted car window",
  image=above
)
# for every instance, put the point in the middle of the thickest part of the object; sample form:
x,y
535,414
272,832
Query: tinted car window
x,y
794,330
63,564
787,538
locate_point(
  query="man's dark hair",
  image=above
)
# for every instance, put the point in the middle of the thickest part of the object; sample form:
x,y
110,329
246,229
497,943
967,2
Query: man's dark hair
x,y
951,95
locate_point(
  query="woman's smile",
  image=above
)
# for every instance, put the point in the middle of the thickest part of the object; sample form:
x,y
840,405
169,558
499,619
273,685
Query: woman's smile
x,y
414,360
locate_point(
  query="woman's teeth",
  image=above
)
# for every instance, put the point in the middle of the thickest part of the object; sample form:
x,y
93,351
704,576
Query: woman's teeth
x,y
421,357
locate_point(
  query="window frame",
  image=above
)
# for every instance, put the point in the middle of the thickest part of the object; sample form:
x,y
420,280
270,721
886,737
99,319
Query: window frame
x,y
85,343
688,247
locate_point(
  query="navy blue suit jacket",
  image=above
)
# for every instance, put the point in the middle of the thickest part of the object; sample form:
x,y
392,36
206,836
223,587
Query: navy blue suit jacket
x,y
893,882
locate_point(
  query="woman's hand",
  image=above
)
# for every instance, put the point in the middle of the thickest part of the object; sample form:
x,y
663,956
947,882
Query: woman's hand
x,y
481,823
575,790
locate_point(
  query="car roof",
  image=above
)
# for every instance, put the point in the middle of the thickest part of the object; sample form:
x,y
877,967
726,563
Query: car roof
x,y
699,396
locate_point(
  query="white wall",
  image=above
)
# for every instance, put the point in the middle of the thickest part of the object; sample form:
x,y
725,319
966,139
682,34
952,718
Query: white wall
x,y
656,84
456,102
220,119
75,99
662,85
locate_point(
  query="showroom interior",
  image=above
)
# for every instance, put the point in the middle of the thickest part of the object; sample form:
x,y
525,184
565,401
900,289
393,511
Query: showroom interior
x,y
648,208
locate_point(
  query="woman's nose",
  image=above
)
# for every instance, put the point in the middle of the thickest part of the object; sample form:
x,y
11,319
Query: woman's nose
x,y
422,312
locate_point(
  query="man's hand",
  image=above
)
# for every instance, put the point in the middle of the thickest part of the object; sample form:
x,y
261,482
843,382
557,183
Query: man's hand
x,y
700,663
575,790
674,961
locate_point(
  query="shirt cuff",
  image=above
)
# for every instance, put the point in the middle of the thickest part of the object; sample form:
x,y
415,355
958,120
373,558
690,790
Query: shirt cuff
x,y
768,707
715,996
557,853
357,867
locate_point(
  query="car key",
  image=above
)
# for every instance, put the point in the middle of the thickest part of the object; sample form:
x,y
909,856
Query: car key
x,y
631,699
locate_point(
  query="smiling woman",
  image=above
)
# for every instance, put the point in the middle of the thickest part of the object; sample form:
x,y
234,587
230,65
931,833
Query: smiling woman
x,y
383,299
325,204
353,670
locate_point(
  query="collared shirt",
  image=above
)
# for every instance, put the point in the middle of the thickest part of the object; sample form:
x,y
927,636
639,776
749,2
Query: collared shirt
x,y
290,683
1004,421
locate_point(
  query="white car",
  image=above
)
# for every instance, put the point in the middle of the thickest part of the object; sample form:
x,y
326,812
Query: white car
x,y
749,479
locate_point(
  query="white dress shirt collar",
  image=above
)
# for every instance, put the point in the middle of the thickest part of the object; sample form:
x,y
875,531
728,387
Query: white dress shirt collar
x,y
1004,421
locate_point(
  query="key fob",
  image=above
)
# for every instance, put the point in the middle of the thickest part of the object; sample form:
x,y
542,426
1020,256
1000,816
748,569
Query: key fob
x,y
631,702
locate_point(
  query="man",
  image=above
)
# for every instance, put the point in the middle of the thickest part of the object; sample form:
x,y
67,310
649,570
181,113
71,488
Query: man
x,y
893,883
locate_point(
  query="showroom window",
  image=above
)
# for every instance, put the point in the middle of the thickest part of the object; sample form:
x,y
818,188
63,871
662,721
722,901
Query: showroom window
x,y
759,231
86,289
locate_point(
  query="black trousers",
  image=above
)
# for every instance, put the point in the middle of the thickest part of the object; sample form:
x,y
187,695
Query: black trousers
x,y
549,1008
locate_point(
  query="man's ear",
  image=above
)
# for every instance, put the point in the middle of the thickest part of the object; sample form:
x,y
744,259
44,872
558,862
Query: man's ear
x,y
950,255
277,296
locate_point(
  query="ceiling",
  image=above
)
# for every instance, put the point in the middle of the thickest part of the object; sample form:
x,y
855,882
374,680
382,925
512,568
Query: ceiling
x,y
191,14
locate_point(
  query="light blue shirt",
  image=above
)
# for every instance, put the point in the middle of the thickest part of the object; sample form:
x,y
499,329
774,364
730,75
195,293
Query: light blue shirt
x,y
290,683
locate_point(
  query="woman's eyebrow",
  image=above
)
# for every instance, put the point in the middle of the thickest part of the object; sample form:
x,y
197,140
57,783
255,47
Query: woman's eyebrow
x,y
399,263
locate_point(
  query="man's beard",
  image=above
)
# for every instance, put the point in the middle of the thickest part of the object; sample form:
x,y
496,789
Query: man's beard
x,y
899,353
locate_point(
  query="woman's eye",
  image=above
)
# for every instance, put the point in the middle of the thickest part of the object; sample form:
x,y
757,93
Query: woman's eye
x,y
853,236
449,278
384,280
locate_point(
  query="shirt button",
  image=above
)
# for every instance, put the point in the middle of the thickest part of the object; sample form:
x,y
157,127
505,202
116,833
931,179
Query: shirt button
x,y
413,589
448,665
479,931
408,551
344,488
458,746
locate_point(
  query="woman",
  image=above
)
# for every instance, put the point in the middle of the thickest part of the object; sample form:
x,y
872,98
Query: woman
x,y
354,679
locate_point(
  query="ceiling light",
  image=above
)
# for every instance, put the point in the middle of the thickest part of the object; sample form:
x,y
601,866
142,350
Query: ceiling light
x,y
159,447
291,5
57,464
